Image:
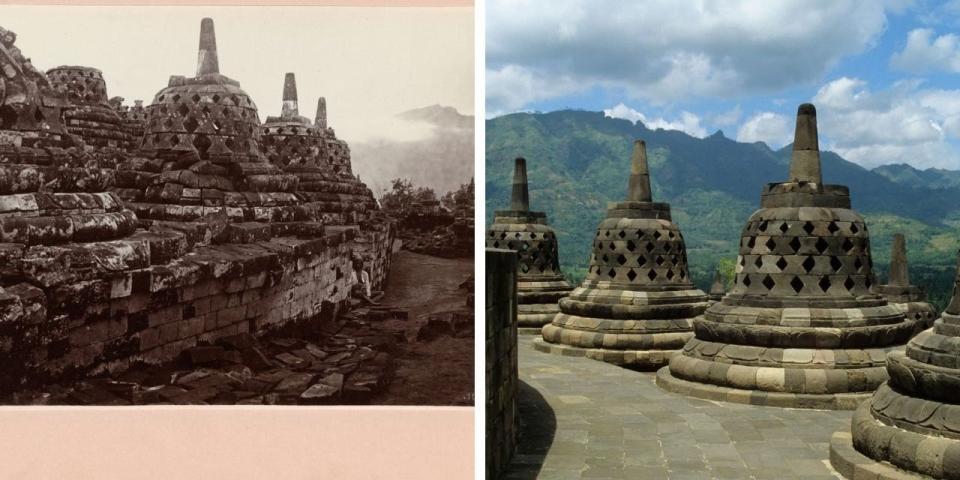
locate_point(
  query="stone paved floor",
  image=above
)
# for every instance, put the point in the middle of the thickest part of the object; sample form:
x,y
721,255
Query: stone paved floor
x,y
584,419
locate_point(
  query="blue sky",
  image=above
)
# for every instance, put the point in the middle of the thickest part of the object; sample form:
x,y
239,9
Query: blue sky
x,y
885,75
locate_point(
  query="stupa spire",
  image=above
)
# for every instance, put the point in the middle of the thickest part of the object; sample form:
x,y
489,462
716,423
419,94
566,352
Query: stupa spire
x,y
520,200
805,162
321,119
207,62
899,274
290,108
639,187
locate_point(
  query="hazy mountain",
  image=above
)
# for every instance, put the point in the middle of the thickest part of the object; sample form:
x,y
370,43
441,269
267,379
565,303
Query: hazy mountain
x,y
436,151
578,161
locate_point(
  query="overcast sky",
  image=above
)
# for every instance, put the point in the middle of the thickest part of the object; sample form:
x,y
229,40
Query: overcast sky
x,y
884,75
369,63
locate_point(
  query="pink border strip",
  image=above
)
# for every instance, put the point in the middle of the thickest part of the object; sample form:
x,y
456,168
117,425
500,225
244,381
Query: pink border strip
x,y
248,3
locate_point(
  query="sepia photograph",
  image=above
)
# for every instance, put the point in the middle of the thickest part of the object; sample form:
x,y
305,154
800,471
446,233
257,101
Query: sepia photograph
x,y
236,206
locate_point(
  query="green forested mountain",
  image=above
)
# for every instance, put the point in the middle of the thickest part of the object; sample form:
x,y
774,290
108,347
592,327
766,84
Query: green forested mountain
x,y
578,161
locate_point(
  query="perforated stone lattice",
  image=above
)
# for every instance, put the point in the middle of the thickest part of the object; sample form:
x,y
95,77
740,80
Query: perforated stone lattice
x,y
218,121
639,256
536,251
88,114
81,85
795,257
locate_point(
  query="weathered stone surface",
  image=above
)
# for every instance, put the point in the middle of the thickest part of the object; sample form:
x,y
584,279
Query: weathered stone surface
x,y
636,305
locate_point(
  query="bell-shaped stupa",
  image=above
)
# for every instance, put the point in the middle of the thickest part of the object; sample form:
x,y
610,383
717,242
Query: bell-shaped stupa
x,y
636,306
540,284
802,326
913,420
717,290
898,290
89,114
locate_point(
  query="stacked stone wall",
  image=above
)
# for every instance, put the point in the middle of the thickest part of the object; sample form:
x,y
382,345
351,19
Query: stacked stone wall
x,y
501,356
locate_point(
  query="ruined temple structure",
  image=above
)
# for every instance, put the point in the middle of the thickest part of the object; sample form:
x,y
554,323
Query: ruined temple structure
x,y
133,119
88,113
317,158
910,428
910,299
540,284
802,326
717,290
636,306
112,257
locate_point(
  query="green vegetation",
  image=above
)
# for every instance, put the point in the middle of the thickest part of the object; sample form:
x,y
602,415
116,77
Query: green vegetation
x,y
578,161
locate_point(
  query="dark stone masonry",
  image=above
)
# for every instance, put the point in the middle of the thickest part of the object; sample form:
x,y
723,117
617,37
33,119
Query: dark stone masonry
x,y
803,325
135,236
540,283
637,304
502,377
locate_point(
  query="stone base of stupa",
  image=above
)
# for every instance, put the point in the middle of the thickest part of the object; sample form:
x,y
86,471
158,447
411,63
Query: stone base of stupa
x,y
537,302
641,360
834,401
931,456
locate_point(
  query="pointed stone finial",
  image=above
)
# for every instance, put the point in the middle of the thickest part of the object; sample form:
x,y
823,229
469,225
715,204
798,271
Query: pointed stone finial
x,y
290,108
899,274
520,200
805,162
207,57
717,288
954,307
639,187
321,120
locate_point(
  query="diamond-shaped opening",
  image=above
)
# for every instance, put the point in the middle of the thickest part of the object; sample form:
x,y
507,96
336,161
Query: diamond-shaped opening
x,y
683,274
808,227
784,227
612,273
622,234
205,110
612,246
631,275
659,260
751,242
771,244
607,233
808,264
621,259
652,275
641,260
853,228
763,226
824,283
858,264
670,274
759,261
216,98
511,245
606,259
650,246
202,142
503,235
516,235
746,280
656,235
496,244
670,235
795,244
667,247
849,283
183,110
867,281
174,140
781,263
195,98
832,228
533,235
768,282
821,245
797,284
191,124
847,245
631,246
835,263
524,267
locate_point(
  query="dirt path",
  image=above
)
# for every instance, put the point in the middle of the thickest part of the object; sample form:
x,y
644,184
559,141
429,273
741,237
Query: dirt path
x,y
437,372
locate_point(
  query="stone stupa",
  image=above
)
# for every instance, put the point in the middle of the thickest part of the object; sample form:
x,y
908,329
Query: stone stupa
x,y
540,284
802,326
636,306
717,290
911,425
910,299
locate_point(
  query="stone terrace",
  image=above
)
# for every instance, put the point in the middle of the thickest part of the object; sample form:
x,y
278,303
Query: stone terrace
x,y
585,419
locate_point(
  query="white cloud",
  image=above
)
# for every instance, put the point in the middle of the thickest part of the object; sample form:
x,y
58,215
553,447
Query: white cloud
x,y
730,117
688,123
662,50
924,53
771,128
902,124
